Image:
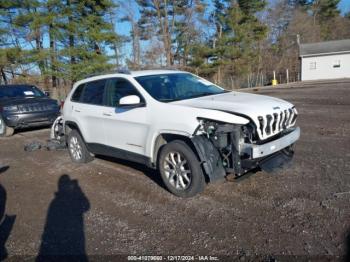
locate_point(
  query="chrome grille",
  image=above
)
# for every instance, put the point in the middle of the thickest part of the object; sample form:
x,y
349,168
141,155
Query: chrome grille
x,y
275,121
272,124
37,107
268,124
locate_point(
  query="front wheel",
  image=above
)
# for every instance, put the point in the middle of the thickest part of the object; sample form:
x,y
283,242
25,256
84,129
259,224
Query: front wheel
x,y
77,148
180,169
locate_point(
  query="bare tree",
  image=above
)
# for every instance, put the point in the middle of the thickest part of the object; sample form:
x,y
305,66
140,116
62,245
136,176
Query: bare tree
x,y
128,15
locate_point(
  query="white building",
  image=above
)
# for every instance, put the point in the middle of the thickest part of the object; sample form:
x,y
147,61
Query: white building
x,y
325,60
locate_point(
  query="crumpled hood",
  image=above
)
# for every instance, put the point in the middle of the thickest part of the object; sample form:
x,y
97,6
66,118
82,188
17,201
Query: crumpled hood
x,y
271,115
251,105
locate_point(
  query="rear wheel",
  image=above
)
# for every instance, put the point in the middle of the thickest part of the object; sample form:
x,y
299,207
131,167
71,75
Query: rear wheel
x,y
180,169
4,129
77,148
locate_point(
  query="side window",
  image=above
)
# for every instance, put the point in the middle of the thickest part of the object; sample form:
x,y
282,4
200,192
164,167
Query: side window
x,y
93,92
118,88
77,93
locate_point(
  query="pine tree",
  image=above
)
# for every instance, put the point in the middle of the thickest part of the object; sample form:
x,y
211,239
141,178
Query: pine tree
x,y
303,4
89,33
234,49
70,38
134,38
11,54
30,21
188,31
51,16
204,55
324,12
164,19
327,9
347,15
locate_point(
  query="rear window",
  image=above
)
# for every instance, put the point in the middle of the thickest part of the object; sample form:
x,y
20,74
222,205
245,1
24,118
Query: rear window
x,y
20,92
93,92
77,93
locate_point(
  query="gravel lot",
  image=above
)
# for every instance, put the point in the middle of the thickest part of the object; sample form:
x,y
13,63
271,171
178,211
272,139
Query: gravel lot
x,y
110,207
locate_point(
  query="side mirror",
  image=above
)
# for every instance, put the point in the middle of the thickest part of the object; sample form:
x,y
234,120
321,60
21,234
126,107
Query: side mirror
x,y
47,93
131,100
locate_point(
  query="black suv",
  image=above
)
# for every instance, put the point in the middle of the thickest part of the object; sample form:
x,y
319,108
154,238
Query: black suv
x,y
25,106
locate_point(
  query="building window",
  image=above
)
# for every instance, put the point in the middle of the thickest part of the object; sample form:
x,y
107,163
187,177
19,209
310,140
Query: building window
x,y
336,64
312,65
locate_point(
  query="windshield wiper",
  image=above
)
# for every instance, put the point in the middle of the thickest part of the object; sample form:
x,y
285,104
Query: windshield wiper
x,y
190,97
204,94
166,100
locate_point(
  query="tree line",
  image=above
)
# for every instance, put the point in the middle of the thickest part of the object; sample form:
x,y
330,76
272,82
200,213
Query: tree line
x,y
232,42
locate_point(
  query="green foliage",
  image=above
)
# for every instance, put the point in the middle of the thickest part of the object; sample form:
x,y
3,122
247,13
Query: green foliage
x,y
234,49
78,33
10,56
251,7
171,22
303,4
219,39
88,34
328,9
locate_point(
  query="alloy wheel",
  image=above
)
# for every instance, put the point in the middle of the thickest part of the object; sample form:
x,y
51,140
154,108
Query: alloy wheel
x,y
177,170
75,148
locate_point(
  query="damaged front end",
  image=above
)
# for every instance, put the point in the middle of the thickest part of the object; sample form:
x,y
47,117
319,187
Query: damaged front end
x,y
236,149
57,130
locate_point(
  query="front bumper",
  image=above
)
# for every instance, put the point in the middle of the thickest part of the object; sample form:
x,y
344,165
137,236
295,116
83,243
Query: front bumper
x,y
264,150
223,153
22,120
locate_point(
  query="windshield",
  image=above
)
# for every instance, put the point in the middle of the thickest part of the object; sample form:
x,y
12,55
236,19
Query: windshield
x,y
20,92
177,86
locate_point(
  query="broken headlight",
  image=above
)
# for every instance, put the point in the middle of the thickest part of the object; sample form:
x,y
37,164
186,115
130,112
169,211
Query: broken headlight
x,y
249,133
207,127
227,138
217,132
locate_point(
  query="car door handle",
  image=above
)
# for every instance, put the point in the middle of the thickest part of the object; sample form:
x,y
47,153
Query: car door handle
x,y
107,114
76,110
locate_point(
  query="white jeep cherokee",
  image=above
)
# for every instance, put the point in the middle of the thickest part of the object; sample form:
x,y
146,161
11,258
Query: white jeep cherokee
x,y
193,131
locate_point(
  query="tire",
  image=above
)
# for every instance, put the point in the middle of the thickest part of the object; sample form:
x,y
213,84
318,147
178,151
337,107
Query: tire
x,y
5,130
77,149
180,169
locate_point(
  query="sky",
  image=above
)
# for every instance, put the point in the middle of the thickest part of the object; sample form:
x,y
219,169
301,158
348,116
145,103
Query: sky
x,y
124,28
344,6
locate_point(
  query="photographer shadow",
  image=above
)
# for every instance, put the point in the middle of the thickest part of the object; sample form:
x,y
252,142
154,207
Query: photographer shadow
x,y
6,221
63,236
347,246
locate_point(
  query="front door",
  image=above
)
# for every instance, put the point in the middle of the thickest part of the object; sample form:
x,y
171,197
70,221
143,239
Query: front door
x,y
126,128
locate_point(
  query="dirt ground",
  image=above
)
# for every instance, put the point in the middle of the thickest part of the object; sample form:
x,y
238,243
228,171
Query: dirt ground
x,y
110,207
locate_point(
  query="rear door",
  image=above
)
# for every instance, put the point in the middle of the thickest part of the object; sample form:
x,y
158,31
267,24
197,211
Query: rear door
x,y
87,109
125,127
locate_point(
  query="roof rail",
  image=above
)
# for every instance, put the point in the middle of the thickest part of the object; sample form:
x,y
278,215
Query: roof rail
x,y
174,68
123,71
117,71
